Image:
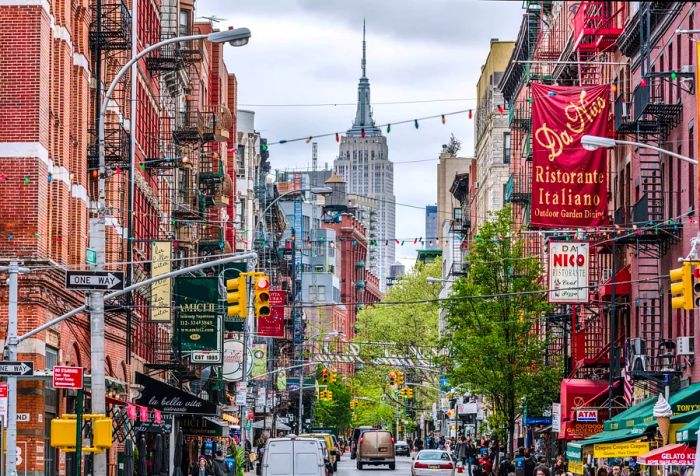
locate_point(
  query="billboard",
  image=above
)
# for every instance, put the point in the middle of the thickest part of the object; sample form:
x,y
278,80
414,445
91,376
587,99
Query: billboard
x,y
161,295
568,272
569,183
199,319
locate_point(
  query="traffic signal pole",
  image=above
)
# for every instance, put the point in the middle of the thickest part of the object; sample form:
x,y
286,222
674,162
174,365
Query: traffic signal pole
x,y
12,342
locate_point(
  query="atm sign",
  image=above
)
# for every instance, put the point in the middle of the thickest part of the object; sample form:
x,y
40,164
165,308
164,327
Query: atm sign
x,y
587,416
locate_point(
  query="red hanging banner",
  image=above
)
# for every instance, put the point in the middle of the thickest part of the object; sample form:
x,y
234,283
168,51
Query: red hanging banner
x,y
569,183
273,325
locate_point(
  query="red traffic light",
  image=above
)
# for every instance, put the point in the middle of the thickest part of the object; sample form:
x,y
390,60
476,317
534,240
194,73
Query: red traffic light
x,y
696,272
262,283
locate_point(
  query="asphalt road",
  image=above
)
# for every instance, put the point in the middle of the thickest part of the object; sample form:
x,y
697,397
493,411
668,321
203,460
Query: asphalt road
x,y
347,467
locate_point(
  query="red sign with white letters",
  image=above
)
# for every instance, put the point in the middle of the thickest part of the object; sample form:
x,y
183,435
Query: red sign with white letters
x,y
68,377
3,390
273,325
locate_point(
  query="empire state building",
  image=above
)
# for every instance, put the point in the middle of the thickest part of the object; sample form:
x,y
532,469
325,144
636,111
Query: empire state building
x,y
363,162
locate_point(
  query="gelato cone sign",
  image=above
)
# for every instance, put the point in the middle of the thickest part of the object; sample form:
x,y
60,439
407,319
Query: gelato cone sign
x,y
663,414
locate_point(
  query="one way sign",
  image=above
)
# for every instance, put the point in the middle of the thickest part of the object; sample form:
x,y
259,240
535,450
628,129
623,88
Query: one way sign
x,y
16,368
96,280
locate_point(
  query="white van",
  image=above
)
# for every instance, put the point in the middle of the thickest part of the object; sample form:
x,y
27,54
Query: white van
x,y
293,457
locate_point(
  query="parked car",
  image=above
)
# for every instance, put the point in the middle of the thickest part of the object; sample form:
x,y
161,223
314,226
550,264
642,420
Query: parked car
x,y
356,438
433,463
293,457
376,447
402,448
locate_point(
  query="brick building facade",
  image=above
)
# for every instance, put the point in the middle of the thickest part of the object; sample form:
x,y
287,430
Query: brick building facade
x,y
48,171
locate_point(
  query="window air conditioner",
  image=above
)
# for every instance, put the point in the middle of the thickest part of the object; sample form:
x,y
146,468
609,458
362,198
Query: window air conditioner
x,y
685,346
687,68
605,274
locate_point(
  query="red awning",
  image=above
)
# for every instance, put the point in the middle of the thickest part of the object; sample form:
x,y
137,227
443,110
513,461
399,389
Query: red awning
x,y
669,455
622,284
580,393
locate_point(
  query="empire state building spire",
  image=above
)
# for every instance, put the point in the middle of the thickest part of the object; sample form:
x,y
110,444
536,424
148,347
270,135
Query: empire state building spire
x,y
363,117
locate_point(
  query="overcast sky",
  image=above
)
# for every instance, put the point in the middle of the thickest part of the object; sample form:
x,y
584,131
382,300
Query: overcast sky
x,y
308,52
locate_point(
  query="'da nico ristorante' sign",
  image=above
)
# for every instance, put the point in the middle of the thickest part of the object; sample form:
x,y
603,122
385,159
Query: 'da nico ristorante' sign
x,y
569,183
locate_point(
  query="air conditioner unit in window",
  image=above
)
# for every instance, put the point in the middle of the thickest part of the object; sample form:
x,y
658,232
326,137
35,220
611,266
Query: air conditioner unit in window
x,y
605,274
638,354
685,346
687,68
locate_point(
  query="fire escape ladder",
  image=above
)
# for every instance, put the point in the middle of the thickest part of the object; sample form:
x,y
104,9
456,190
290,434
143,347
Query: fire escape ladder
x,y
297,322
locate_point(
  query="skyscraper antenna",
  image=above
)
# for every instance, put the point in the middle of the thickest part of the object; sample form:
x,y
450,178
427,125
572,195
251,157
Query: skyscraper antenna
x,y
364,51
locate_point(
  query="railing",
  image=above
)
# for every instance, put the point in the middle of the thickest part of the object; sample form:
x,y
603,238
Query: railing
x,y
115,26
596,27
518,188
214,123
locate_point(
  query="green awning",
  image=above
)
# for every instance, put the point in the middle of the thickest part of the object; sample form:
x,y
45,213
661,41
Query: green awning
x,y
683,401
689,433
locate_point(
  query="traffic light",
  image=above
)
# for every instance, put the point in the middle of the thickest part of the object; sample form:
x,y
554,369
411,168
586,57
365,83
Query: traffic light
x,y
392,378
63,433
682,287
403,392
696,286
329,395
333,377
237,296
102,433
399,377
262,294
353,404
324,376
409,393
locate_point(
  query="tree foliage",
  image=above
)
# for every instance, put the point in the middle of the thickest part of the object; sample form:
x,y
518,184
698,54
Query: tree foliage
x,y
335,414
453,146
491,335
410,325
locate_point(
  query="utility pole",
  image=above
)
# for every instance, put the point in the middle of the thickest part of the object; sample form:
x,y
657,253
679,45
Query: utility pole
x,y
247,329
12,341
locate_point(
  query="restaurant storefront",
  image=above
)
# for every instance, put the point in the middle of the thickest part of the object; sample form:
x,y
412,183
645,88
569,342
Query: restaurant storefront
x,y
632,434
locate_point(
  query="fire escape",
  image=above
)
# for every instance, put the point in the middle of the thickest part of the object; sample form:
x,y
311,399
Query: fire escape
x,y
647,115
596,28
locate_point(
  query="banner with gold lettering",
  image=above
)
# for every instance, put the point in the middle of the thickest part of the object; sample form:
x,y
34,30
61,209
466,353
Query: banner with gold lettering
x,y
569,183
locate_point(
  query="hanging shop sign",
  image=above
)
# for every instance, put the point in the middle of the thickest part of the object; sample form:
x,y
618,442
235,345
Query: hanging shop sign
x,y
199,316
556,417
161,291
669,455
259,368
233,360
168,399
587,416
273,325
568,272
197,426
569,183
622,449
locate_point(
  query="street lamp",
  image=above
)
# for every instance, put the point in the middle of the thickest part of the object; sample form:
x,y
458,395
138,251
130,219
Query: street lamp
x,y
595,142
95,299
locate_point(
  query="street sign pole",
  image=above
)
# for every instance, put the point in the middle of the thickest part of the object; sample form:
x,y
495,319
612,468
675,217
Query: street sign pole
x,y
79,431
12,341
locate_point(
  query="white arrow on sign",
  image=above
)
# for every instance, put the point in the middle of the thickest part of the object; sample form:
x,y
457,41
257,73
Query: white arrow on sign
x,y
108,281
16,368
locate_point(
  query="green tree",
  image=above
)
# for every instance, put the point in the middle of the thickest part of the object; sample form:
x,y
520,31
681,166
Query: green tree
x,y
335,414
405,326
491,332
